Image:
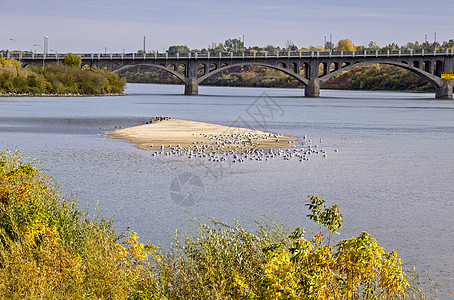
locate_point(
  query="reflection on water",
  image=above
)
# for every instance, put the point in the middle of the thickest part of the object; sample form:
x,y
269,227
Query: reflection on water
x,y
391,177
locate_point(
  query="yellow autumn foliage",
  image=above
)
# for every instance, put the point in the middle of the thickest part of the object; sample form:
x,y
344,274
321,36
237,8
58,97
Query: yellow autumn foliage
x,y
51,250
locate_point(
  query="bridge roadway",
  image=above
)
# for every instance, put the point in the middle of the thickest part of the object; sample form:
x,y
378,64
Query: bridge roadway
x,y
310,68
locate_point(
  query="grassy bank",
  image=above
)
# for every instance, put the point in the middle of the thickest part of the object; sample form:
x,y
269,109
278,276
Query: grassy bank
x,y
57,79
51,249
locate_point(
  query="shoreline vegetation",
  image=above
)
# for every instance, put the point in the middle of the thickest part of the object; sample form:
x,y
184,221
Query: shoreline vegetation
x,y
57,79
49,248
59,95
169,134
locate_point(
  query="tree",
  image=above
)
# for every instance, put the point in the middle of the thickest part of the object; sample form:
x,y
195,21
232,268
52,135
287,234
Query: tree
x,y
373,46
182,49
73,60
391,47
329,45
318,48
290,46
218,48
234,45
345,45
270,48
448,45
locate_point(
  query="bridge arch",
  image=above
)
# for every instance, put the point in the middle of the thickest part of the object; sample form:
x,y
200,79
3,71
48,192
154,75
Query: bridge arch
x,y
173,72
323,68
334,66
201,69
282,65
427,64
213,66
438,68
226,67
172,67
305,70
294,67
427,75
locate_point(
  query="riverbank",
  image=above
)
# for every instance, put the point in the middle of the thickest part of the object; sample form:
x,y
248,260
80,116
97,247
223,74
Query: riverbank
x,y
175,134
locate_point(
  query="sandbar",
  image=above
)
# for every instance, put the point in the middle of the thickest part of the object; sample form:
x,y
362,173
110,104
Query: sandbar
x,y
176,134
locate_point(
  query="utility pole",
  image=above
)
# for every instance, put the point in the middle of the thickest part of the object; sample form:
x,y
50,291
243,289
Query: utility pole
x,y
144,45
43,52
20,53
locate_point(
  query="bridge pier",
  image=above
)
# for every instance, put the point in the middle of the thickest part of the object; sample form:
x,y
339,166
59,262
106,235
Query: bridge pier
x,y
313,89
445,91
191,87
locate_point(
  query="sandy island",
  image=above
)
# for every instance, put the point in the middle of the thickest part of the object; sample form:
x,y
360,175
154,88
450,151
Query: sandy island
x,y
175,134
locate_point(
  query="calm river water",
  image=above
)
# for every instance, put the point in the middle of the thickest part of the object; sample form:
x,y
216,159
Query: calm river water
x,y
392,177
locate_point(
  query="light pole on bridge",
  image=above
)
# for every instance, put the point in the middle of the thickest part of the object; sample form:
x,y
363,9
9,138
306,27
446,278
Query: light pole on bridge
x,y
46,44
19,49
36,45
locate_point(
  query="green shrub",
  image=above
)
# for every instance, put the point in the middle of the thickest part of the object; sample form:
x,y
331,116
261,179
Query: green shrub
x,y
57,78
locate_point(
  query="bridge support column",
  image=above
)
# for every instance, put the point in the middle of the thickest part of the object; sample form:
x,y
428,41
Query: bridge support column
x,y
191,87
445,91
313,89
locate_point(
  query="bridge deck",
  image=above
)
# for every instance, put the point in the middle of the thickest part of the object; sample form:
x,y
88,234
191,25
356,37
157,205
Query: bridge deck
x,y
245,55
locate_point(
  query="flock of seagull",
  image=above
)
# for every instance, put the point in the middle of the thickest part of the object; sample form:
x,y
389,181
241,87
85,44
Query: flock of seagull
x,y
239,148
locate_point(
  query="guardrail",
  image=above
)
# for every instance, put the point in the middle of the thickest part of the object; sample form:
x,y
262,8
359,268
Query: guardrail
x,y
231,55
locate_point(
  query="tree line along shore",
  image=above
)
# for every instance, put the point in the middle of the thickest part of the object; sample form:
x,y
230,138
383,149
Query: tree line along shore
x,y
62,79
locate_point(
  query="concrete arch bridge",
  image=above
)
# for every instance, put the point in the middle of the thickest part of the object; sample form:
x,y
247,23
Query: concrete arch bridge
x,y
310,68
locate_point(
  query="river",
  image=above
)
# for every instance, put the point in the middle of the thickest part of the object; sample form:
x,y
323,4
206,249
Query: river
x,y
392,175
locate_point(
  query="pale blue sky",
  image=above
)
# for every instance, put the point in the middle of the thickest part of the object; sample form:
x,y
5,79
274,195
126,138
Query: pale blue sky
x,y
92,25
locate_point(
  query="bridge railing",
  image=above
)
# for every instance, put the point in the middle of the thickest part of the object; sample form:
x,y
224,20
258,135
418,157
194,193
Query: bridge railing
x,y
224,55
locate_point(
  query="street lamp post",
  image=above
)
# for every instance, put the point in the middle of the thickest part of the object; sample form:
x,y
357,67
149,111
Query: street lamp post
x,y
324,45
243,41
46,44
43,51
19,49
